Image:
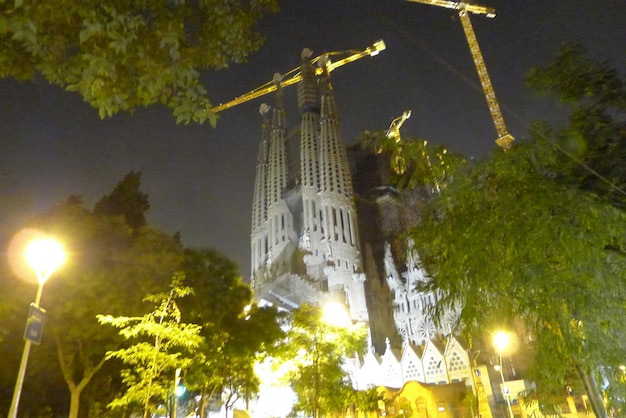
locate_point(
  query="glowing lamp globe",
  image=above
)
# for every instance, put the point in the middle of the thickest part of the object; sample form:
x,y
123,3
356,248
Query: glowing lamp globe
x,y
45,256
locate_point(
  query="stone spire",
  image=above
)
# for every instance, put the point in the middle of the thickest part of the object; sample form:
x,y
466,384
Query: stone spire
x,y
309,105
258,235
335,173
277,158
280,223
338,214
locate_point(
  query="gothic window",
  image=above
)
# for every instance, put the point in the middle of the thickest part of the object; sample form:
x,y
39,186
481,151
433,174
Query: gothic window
x,y
422,411
350,229
343,229
456,363
334,212
411,371
434,366
425,329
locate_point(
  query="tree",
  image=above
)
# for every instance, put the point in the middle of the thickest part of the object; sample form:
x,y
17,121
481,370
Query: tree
x,y
319,352
163,345
237,332
110,269
120,56
507,241
126,200
590,151
537,234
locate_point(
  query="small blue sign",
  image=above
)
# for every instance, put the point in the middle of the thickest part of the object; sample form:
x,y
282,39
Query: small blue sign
x,y
34,324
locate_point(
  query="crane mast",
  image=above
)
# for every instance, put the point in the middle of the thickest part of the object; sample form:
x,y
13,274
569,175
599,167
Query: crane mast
x,y
504,139
294,76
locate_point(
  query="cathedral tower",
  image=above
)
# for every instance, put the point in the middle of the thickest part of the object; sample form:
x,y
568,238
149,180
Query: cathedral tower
x,y
304,237
337,212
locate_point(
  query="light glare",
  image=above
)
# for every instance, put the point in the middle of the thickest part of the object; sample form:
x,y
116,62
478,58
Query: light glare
x,y
45,256
501,340
334,314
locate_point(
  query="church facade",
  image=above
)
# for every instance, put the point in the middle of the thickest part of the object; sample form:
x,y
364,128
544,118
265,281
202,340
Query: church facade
x,y
326,226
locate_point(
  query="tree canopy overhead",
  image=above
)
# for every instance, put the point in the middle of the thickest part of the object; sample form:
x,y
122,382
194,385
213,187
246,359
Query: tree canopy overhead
x,y
122,55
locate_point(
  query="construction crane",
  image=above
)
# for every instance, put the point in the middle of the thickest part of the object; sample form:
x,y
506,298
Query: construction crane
x,y
295,76
504,139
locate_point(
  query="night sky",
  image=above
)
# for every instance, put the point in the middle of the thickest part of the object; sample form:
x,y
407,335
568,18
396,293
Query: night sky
x,y
200,180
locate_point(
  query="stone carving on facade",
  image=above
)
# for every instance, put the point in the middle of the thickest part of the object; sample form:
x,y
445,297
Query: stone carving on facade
x,y
281,225
359,277
305,240
268,260
329,251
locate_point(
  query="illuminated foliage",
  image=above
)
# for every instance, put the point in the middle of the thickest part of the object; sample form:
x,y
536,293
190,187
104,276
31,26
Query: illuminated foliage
x,y
318,351
236,331
109,269
161,344
120,56
537,234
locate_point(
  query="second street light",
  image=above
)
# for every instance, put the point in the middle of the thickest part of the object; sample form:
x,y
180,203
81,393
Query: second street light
x,y
501,341
44,256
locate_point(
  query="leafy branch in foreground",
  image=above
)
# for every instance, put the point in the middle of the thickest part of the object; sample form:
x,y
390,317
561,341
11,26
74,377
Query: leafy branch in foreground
x,y
120,56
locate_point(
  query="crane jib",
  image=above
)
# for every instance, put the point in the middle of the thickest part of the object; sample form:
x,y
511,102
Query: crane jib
x,y
269,87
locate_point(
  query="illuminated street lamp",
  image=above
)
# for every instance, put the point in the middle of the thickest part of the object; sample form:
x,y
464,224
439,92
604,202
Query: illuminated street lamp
x,y
44,256
335,315
501,341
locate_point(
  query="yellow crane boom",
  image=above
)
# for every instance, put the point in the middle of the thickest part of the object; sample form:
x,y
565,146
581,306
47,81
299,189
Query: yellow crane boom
x,y
289,79
504,139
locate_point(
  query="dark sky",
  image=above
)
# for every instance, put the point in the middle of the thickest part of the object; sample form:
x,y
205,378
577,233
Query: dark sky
x,y
200,180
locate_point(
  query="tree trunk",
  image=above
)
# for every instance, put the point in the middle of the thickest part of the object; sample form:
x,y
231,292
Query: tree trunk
x,y
74,403
202,401
204,398
591,387
75,389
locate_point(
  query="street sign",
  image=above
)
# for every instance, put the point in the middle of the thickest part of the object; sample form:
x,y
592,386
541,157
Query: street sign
x,y
34,324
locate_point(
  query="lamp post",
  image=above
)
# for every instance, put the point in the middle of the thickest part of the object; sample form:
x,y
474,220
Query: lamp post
x,y
44,256
179,390
501,341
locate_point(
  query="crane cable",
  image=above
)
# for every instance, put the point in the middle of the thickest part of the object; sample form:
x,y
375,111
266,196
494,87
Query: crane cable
x,y
508,110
